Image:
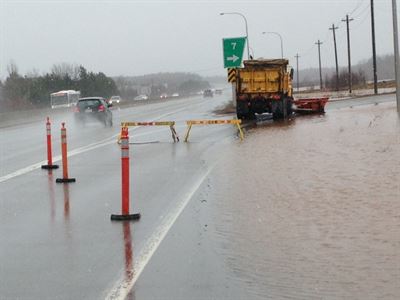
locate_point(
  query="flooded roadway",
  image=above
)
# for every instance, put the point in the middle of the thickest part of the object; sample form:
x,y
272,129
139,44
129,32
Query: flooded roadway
x,y
309,209
306,209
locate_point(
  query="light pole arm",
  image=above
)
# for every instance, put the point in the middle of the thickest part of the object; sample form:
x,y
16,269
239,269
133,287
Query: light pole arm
x,y
247,30
280,37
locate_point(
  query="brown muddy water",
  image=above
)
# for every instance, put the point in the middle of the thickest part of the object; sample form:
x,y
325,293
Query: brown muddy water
x,y
310,209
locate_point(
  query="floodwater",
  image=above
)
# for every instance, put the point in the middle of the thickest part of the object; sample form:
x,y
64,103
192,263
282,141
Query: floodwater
x,y
310,209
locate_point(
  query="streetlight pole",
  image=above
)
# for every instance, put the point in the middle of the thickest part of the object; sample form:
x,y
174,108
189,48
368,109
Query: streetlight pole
x,y
247,31
297,71
374,48
280,37
396,54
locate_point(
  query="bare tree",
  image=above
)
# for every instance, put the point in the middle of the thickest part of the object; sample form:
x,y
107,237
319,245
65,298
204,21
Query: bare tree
x,y
12,69
65,69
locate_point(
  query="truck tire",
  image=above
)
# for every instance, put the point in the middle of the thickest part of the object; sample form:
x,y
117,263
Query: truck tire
x,y
277,110
241,110
240,116
289,105
250,116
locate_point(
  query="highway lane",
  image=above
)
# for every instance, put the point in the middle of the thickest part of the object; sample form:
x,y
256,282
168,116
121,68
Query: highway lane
x,y
353,102
57,240
25,144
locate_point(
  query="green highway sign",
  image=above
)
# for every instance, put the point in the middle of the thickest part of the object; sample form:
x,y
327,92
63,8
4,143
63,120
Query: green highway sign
x,y
233,51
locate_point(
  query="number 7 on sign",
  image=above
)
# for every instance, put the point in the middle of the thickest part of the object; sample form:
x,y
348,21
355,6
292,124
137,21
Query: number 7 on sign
x,y
233,46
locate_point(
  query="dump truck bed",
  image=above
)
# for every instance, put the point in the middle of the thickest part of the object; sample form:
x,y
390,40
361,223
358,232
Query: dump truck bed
x,y
263,77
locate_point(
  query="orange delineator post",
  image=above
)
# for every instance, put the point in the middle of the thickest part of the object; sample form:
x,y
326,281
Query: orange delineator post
x,y
49,152
125,179
125,171
64,157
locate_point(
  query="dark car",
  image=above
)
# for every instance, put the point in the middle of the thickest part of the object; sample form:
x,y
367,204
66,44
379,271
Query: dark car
x,y
93,108
208,93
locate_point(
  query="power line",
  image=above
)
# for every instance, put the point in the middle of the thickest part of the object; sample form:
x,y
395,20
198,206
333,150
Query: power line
x,y
359,23
365,9
357,7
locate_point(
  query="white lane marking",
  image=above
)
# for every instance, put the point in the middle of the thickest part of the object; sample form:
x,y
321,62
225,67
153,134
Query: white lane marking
x,y
58,158
77,151
23,171
124,285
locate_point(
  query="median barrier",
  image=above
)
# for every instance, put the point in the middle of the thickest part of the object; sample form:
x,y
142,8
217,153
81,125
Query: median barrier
x,y
213,122
49,165
171,125
125,216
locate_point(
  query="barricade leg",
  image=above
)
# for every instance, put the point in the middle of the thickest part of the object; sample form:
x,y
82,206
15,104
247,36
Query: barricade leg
x,y
175,136
125,216
187,133
49,165
64,152
240,132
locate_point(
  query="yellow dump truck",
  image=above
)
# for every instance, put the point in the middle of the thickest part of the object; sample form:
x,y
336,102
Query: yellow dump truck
x,y
264,86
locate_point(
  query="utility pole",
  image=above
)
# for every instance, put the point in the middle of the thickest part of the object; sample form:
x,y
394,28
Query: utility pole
x,y
319,56
347,20
333,28
297,70
396,54
373,48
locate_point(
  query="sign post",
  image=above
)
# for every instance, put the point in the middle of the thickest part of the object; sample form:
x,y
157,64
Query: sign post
x,y
233,51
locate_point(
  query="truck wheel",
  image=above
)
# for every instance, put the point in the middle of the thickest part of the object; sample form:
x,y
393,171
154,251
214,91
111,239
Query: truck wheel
x,y
284,107
250,116
289,105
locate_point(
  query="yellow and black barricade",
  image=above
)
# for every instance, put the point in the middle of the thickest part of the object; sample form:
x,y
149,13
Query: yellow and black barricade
x,y
171,125
212,122
231,75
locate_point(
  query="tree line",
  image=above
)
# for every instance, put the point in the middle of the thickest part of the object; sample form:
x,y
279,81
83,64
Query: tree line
x,y
358,79
361,72
33,90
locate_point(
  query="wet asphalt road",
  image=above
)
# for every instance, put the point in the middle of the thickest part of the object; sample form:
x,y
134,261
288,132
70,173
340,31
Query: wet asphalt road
x,y
57,241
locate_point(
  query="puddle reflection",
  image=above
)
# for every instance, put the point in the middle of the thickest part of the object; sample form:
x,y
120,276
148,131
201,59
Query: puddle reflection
x,y
52,196
128,251
66,201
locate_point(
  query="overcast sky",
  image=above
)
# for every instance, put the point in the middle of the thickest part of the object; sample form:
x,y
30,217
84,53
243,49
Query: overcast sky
x,y
128,37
